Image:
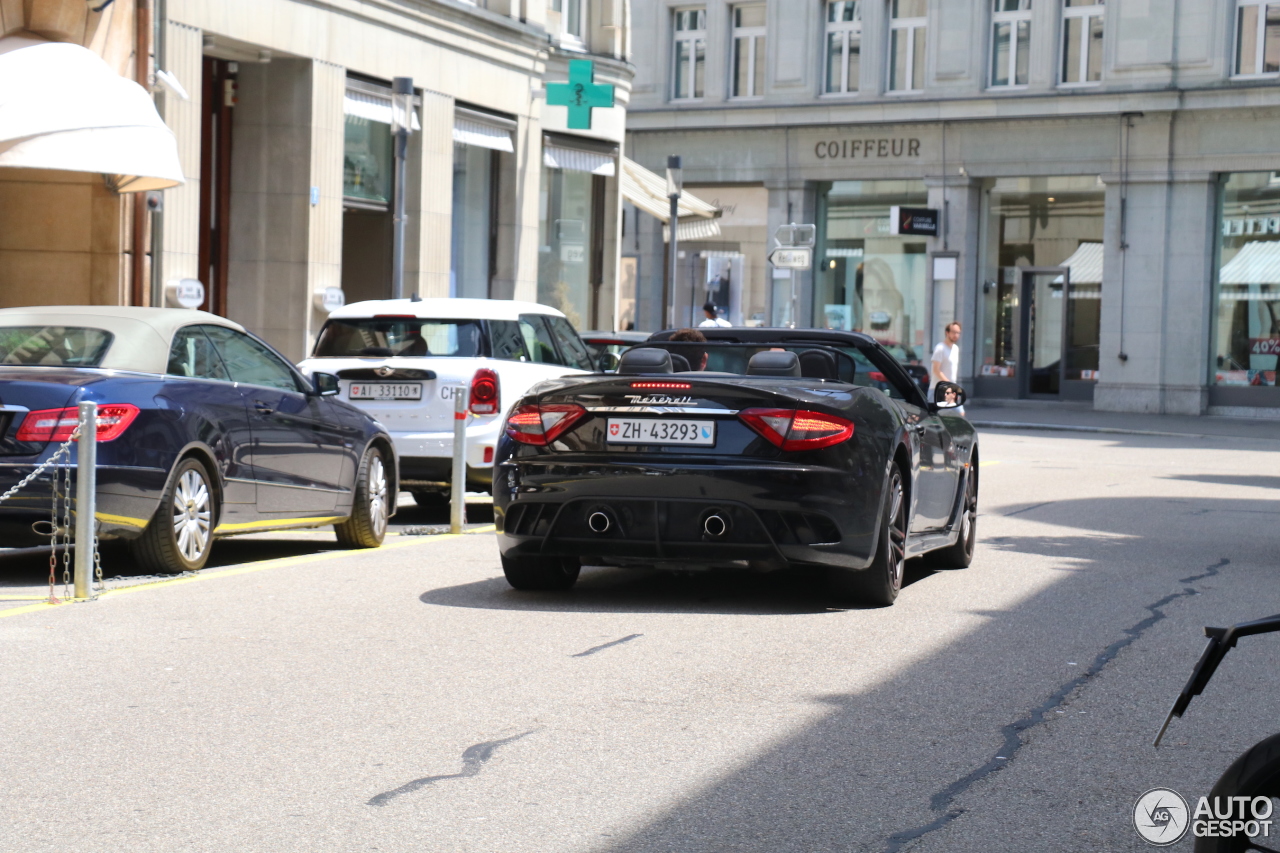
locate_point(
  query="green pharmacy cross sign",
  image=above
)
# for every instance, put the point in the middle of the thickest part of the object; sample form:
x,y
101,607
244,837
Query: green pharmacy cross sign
x,y
581,94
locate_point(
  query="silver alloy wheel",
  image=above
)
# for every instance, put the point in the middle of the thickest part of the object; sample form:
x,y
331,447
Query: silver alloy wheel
x,y
192,515
377,494
897,536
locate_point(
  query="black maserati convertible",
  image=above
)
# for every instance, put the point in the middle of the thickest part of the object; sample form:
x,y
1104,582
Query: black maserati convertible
x,y
761,448
203,431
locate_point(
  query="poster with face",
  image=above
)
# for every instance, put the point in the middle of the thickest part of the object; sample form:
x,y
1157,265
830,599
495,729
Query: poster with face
x,y
724,286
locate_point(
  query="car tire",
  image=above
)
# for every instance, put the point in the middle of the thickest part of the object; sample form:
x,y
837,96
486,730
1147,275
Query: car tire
x,y
431,500
541,573
878,585
367,526
179,536
960,555
1254,774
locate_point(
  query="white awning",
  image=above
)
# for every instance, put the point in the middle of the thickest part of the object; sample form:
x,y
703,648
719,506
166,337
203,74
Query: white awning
x,y
695,229
577,160
62,107
1085,264
648,191
367,105
1257,262
482,135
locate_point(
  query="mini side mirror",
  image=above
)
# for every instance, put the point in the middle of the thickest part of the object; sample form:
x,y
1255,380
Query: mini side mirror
x,y
948,395
324,384
608,362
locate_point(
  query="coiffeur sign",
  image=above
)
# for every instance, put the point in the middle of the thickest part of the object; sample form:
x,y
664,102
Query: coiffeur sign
x,y
849,149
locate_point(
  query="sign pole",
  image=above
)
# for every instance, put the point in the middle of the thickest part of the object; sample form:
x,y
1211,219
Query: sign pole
x,y
458,486
86,493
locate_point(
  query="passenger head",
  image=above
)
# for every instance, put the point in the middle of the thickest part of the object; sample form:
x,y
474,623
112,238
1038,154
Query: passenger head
x,y
697,356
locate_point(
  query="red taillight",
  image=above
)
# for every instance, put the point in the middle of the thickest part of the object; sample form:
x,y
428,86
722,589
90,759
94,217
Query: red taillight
x,y
662,386
59,424
484,392
876,376
797,430
541,425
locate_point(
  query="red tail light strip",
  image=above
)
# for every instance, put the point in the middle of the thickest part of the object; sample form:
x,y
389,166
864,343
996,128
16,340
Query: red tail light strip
x,y
59,424
798,430
662,386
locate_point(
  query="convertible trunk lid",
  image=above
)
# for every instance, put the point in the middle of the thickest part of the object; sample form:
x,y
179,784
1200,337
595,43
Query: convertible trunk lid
x,y
30,389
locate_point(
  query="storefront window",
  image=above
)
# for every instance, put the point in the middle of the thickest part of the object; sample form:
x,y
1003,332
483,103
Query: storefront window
x,y
1049,224
565,229
473,223
867,279
366,160
1247,296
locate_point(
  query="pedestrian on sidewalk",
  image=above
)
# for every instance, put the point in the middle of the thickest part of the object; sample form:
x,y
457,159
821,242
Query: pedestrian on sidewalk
x,y
945,366
713,317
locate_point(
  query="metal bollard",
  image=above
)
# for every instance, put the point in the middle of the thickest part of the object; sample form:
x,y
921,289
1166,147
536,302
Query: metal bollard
x,y
86,498
458,486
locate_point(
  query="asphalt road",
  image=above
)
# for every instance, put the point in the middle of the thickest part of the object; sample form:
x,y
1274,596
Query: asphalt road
x,y
407,700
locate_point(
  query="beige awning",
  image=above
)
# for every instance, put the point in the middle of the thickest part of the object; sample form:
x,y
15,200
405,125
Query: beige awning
x,y
62,107
648,191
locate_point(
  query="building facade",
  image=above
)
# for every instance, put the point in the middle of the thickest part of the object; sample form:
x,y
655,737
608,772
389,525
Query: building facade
x,y
286,141
1104,176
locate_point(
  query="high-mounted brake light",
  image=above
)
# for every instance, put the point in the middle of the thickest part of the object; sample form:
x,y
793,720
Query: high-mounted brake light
x,y
797,430
662,386
485,398
59,424
541,425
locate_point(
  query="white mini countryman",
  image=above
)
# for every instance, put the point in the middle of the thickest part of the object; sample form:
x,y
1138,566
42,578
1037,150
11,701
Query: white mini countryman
x,y
403,360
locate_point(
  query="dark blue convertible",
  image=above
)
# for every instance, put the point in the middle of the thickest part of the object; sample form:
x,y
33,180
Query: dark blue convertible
x,y
204,431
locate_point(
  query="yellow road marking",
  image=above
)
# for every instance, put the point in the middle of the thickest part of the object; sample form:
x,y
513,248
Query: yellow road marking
x,y
261,566
983,463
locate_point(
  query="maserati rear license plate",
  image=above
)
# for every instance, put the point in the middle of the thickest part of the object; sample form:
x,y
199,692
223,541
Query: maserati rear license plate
x,y
654,431
386,391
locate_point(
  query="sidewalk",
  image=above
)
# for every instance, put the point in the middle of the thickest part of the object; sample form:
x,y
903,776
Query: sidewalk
x,y
1080,417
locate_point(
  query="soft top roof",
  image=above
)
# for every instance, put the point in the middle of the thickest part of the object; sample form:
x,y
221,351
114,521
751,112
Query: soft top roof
x,y
444,309
759,335
142,335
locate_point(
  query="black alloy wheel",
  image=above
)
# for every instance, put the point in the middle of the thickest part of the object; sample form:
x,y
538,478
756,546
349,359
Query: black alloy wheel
x,y
878,585
370,506
180,534
960,555
541,573
1254,774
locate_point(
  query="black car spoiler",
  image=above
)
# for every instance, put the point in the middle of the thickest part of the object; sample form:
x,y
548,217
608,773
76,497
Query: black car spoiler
x,y
846,366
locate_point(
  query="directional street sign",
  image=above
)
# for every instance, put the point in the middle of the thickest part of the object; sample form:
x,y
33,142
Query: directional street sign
x,y
792,257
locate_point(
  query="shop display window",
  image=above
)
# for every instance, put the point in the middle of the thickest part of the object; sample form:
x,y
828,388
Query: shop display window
x,y
566,227
1246,328
867,279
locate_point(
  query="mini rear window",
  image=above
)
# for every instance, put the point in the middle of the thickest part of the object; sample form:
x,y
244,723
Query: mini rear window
x,y
383,337
53,346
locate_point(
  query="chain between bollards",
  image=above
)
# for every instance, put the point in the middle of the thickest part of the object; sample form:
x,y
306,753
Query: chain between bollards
x,y
458,483
86,493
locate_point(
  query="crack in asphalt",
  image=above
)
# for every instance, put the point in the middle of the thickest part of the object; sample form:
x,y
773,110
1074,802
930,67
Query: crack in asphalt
x,y
600,648
1026,509
473,759
942,801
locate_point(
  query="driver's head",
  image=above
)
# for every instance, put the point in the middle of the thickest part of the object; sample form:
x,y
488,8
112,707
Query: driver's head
x,y
697,356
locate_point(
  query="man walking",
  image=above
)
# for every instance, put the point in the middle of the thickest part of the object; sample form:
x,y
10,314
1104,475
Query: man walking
x,y
945,366
713,317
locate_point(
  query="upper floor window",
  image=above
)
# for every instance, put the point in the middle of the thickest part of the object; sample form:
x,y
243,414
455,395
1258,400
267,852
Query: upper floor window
x,y
1010,42
573,18
689,80
1082,41
844,45
906,44
1257,38
748,50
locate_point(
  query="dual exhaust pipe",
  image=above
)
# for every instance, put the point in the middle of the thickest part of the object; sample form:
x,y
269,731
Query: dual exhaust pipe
x,y
714,524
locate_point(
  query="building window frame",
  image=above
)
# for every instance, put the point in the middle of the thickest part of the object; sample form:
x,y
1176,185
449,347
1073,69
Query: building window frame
x,y
915,40
1073,10
752,39
1262,11
843,24
1016,16
573,22
689,49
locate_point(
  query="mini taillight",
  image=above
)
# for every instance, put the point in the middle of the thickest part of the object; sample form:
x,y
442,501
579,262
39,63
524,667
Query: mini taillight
x,y
541,425
484,392
662,386
59,424
876,376
797,430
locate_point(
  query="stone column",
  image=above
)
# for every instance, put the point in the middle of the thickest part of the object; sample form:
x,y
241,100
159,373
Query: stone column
x,y
960,211
324,231
431,217
179,224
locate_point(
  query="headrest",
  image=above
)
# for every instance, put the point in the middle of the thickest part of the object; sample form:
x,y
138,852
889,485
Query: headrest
x,y
818,364
645,360
774,364
679,363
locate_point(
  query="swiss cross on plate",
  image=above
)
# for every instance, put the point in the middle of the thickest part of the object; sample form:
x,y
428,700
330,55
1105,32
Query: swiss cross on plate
x,y
581,94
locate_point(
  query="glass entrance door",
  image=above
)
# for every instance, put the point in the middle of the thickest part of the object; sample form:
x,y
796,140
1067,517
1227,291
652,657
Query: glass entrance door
x,y
1043,321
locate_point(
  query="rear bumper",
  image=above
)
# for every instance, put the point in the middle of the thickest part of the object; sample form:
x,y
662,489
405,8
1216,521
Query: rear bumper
x,y
427,457
126,499
775,513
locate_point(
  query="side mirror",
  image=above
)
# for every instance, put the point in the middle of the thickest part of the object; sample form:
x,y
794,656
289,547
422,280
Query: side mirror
x,y
324,384
948,395
608,362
